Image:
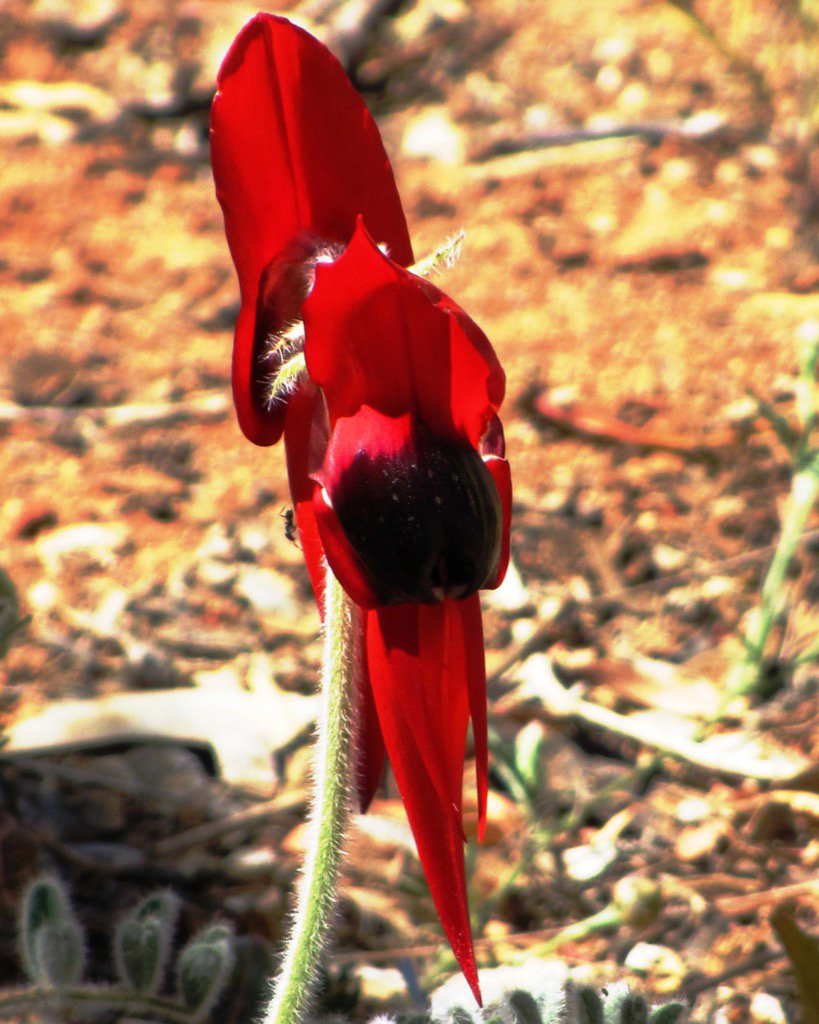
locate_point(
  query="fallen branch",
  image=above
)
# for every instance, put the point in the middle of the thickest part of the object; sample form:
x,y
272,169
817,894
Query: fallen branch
x,y
700,127
737,906
599,427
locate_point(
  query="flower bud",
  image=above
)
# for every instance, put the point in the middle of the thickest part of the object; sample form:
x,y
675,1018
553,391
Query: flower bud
x,y
639,900
424,520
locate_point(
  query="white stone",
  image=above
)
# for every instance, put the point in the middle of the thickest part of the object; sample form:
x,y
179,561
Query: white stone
x,y
267,591
512,594
43,596
433,135
647,958
667,558
766,1009
609,79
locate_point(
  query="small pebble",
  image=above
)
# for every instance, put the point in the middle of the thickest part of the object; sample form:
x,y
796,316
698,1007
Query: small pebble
x,y
698,841
217,575
380,983
692,809
268,592
613,50
511,596
667,558
766,1009
609,79
433,135
43,596
633,99
523,630
660,964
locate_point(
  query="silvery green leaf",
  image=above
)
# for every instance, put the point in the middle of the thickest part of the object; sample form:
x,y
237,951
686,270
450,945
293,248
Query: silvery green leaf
x,y
45,910
621,1006
59,954
203,969
142,942
668,1013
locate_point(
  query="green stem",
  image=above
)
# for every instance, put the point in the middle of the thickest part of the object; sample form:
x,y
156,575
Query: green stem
x,y
609,917
334,763
804,492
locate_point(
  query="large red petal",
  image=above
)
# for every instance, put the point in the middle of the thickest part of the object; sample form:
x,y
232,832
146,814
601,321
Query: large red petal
x,y
380,336
417,663
295,153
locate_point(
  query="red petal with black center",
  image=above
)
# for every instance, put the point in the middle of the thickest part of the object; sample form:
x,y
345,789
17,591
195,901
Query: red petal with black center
x,y
406,515
296,155
380,336
419,657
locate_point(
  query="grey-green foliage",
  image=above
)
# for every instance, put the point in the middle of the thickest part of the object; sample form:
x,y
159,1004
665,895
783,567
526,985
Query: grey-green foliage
x,y
52,949
52,945
203,969
142,942
542,992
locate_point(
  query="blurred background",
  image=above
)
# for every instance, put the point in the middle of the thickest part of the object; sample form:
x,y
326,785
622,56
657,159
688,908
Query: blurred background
x,y
639,187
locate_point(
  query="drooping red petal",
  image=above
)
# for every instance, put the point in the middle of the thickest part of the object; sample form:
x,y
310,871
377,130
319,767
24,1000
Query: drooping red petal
x,y
380,336
303,410
417,660
469,611
372,754
295,153
502,475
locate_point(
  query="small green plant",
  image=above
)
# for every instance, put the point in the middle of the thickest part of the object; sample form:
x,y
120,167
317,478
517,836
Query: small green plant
x,y
748,677
52,951
542,992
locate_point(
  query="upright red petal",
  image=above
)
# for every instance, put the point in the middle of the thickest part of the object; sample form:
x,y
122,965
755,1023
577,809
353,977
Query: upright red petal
x,y
295,153
417,655
380,336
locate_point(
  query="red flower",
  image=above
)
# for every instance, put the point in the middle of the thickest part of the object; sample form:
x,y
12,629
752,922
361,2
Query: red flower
x,y
394,450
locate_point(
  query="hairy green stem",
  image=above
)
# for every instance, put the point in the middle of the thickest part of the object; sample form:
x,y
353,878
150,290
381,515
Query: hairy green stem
x,y
334,763
804,492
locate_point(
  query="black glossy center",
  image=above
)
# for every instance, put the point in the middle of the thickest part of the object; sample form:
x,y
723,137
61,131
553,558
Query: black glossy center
x,y
425,522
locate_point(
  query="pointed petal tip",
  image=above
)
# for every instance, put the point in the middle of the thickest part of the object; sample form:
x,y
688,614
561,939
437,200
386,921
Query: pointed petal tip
x,y
469,969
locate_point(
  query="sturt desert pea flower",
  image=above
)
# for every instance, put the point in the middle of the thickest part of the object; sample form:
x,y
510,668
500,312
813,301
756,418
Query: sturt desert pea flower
x,y
394,449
